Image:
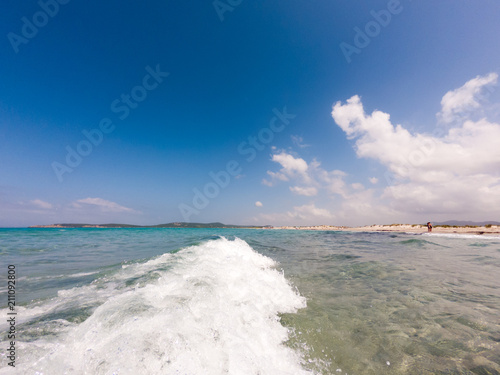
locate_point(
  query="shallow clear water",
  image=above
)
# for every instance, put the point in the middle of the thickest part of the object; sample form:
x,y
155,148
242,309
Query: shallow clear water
x,y
196,301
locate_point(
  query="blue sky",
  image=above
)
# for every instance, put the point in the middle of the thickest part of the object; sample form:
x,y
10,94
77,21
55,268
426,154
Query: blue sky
x,y
182,88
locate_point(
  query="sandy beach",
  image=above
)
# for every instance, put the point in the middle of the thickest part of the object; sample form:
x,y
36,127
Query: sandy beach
x,y
408,228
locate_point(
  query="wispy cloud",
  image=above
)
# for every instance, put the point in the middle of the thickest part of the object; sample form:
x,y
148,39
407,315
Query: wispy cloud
x,y
465,98
307,191
307,213
41,204
299,141
88,210
104,205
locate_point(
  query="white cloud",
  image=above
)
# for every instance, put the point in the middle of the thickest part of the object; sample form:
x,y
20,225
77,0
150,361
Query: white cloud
x,y
299,141
364,207
41,204
307,191
375,133
357,186
457,171
258,204
309,211
311,177
465,98
451,173
291,168
275,176
471,148
88,210
305,214
332,181
104,205
313,181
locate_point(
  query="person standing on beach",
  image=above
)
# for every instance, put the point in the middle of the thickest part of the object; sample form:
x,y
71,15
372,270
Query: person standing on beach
x,y
429,227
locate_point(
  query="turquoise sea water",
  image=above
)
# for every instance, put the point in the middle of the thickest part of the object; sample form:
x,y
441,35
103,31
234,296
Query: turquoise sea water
x,y
196,301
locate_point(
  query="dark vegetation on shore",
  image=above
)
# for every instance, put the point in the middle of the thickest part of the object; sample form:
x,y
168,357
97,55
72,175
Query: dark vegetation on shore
x,y
446,224
169,225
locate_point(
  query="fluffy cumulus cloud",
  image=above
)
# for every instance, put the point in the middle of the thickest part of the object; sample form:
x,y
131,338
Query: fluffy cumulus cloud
x,y
307,178
465,98
451,172
291,168
455,171
258,204
312,180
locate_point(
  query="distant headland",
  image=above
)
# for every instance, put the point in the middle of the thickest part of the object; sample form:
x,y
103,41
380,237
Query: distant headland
x,y
169,225
444,227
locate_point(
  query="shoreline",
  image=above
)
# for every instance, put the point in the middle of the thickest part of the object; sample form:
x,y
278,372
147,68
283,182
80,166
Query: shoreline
x,y
398,228
401,228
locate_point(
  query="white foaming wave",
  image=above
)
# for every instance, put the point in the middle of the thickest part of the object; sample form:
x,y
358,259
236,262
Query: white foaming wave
x,y
79,274
62,276
94,294
214,311
79,296
462,235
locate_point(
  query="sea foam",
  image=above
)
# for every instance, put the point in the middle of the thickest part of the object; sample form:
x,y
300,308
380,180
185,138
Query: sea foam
x,y
462,236
207,309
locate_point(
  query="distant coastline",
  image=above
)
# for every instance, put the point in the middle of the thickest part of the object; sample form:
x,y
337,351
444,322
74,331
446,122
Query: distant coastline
x,y
169,225
409,228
